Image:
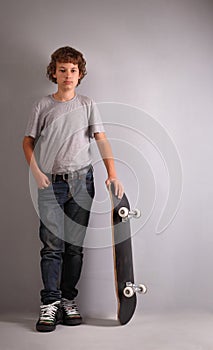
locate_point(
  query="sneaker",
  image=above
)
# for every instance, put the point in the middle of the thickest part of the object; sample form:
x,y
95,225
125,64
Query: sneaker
x,y
50,316
71,314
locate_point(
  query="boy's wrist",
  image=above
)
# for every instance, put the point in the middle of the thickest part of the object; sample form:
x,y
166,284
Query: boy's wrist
x,y
112,176
37,173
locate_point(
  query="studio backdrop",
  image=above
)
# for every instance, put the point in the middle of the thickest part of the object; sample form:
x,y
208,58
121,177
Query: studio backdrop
x,y
150,72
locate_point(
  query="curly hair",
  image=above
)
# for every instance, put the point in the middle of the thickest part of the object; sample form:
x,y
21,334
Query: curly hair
x,y
66,55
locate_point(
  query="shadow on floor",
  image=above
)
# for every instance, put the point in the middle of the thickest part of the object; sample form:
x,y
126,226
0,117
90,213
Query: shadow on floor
x,y
29,321
100,322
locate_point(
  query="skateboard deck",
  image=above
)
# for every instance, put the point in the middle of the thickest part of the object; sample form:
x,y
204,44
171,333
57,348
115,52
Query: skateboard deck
x,y
123,257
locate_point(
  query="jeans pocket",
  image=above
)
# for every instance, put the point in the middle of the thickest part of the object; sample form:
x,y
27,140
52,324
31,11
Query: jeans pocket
x,y
90,184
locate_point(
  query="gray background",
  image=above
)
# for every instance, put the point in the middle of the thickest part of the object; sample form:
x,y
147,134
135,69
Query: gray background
x,y
154,55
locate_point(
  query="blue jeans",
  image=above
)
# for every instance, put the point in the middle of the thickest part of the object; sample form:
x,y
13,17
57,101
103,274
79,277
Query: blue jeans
x,y
64,209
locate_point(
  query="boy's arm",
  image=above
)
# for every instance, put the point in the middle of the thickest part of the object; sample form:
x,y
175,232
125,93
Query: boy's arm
x,y
28,146
107,156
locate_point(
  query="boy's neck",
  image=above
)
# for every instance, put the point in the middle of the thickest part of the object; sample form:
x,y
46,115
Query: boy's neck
x,y
64,96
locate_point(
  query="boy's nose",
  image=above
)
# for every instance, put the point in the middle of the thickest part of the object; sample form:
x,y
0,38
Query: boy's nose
x,y
68,74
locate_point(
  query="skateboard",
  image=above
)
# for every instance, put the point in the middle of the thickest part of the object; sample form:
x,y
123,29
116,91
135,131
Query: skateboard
x,y
125,286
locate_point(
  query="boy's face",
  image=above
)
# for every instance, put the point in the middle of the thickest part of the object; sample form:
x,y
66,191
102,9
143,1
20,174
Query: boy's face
x,y
67,75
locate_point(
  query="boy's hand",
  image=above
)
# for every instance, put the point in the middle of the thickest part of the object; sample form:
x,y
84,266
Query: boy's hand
x,y
119,189
42,181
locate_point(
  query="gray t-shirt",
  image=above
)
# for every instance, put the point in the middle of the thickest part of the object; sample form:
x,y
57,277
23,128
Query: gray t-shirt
x,y
62,131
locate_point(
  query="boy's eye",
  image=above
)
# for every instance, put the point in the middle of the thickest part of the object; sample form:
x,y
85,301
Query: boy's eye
x,y
63,70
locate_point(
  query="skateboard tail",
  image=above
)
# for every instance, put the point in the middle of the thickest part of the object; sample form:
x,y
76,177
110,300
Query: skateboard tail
x,y
124,268
125,306
126,311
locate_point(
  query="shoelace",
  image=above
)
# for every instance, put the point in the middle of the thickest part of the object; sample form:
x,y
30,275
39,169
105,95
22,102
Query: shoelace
x,y
47,312
70,307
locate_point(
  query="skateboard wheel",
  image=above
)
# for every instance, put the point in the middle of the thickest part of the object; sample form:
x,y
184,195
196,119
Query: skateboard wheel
x,y
128,292
137,213
142,288
123,212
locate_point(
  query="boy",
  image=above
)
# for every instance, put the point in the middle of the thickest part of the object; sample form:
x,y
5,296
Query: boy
x,y
61,126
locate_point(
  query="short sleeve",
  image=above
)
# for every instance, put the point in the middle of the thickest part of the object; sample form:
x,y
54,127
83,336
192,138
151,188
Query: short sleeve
x,y
95,122
32,128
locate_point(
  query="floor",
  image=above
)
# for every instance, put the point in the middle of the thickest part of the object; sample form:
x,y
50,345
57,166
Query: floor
x,y
171,331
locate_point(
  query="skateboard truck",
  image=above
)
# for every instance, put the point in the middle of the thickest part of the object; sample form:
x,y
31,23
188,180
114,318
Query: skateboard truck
x,y
127,214
132,288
